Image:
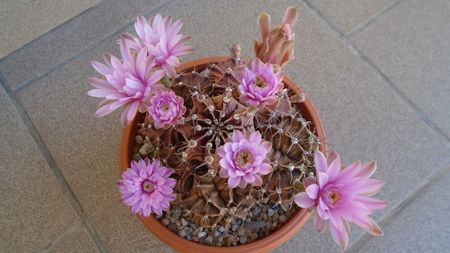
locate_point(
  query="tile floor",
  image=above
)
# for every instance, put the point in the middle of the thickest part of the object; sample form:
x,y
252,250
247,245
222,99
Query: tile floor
x,y
377,70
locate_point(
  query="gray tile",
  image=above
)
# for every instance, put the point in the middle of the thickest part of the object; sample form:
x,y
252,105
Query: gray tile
x,y
422,226
23,20
224,24
86,149
410,46
348,15
70,38
33,209
363,117
74,242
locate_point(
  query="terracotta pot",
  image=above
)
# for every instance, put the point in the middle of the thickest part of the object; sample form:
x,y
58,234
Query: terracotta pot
x,y
278,237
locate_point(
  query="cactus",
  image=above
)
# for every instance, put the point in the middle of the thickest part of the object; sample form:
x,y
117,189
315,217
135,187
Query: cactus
x,y
213,113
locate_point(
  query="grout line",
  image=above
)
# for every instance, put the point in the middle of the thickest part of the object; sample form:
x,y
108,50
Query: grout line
x,y
67,190
87,48
322,17
400,94
90,8
372,19
62,237
419,113
443,171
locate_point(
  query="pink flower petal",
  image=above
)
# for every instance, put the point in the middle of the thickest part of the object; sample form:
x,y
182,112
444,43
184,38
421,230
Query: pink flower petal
x,y
370,187
303,201
371,202
320,162
309,181
108,108
233,182
141,68
368,224
173,61
322,178
101,68
331,157
265,169
323,210
340,237
258,181
290,16
319,224
125,50
334,168
139,26
99,93
132,110
367,170
312,191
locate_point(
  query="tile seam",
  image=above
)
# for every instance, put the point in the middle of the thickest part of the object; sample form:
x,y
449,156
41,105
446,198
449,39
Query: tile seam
x,y
402,97
53,166
62,237
360,28
90,8
444,170
78,53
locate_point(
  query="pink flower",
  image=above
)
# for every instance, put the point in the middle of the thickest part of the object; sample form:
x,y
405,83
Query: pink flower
x,y
243,159
161,38
259,85
166,108
127,83
147,188
342,196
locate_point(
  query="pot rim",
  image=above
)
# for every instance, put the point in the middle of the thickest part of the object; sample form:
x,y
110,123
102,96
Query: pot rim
x,y
275,239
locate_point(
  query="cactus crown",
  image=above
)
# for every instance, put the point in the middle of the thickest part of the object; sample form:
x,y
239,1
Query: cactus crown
x,y
214,111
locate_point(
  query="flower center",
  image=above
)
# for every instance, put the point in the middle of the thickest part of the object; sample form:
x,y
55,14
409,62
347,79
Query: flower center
x,y
334,196
260,82
165,107
148,186
244,157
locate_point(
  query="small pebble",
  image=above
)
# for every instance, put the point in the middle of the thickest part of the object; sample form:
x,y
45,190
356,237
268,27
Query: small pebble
x,y
139,139
270,212
229,240
243,239
165,221
145,149
182,233
209,239
183,222
202,234
283,218
172,226
137,157
275,217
